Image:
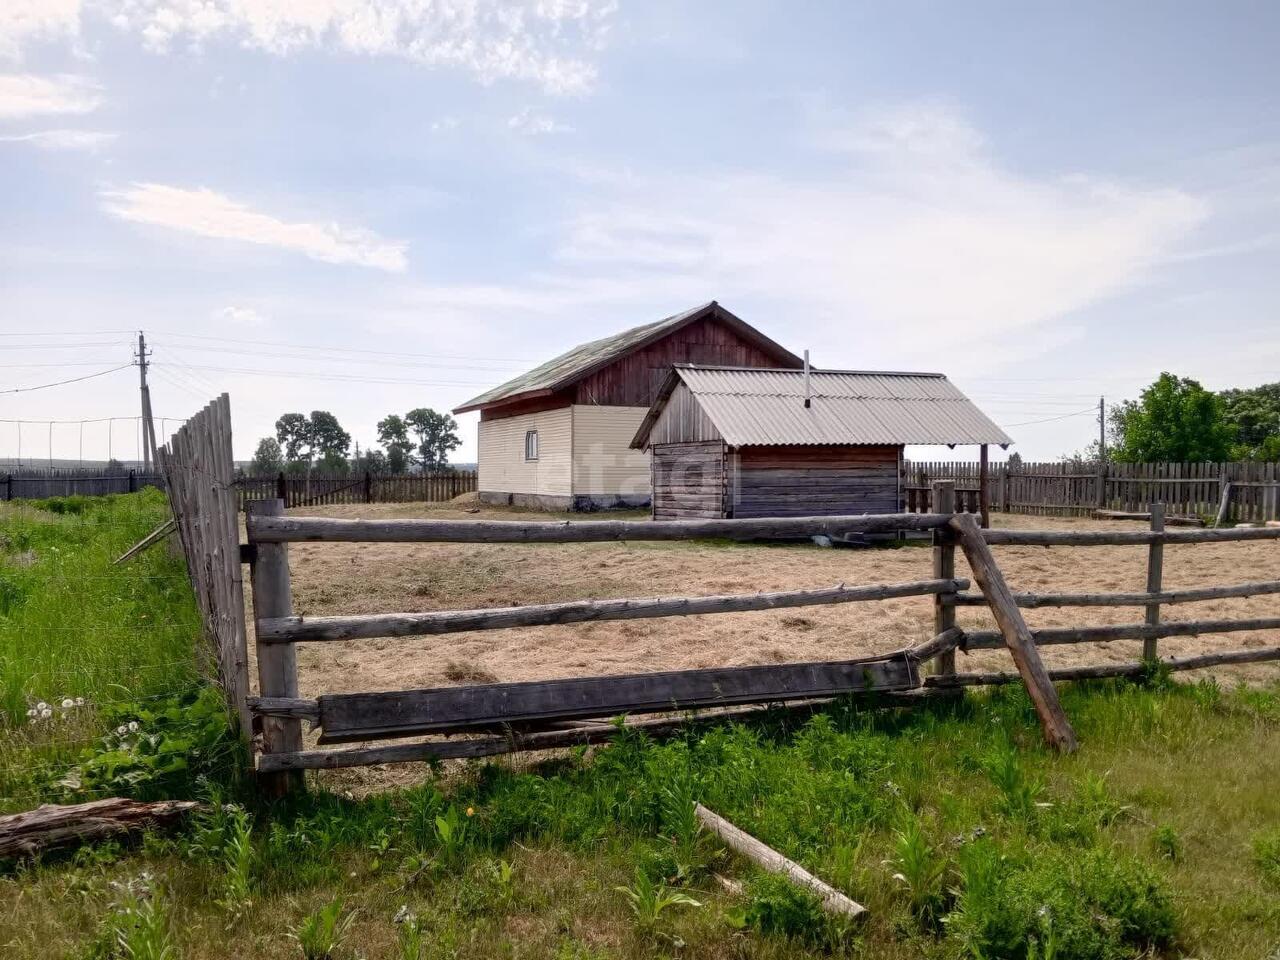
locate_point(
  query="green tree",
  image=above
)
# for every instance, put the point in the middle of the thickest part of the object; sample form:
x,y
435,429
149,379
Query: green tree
x,y
1254,418
268,458
393,434
293,431
437,435
1174,419
329,441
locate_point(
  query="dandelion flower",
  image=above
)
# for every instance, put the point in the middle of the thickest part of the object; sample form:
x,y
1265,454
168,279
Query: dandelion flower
x,y
67,703
79,701
42,706
133,726
32,712
471,811
121,730
46,713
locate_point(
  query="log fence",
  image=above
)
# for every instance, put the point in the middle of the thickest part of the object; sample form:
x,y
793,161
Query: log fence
x,y
488,719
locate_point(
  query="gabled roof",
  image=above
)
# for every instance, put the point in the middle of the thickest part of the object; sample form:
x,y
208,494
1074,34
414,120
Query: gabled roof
x,y
587,358
766,407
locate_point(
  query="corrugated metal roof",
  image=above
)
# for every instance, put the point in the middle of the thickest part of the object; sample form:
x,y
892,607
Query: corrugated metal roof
x,y
586,357
766,407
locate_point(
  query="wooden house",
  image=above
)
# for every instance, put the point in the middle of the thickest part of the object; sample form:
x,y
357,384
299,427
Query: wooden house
x,y
736,442
559,436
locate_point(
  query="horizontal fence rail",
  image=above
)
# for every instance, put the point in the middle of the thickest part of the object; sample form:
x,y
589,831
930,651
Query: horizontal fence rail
x,y
299,529
300,629
1032,600
362,716
991,639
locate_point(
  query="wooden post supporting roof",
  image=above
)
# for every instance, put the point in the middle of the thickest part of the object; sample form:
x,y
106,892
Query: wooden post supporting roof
x,y
987,574
984,486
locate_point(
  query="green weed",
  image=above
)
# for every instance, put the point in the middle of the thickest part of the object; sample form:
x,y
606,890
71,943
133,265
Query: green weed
x,y
649,901
1266,855
320,933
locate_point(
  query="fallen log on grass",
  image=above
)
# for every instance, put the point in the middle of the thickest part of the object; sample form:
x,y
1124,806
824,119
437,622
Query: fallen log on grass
x,y
833,901
25,834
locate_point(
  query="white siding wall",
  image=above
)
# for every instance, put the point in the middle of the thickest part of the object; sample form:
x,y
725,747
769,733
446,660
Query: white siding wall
x,y
603,461
503,468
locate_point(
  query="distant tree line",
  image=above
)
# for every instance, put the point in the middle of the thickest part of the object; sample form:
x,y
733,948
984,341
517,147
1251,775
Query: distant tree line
x,y
421,438
1176,419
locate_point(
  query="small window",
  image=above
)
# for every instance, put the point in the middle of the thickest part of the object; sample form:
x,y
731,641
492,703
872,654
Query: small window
x,y
531,445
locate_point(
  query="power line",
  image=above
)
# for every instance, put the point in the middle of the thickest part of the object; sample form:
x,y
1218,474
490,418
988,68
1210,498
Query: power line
x,y
1078,413
59,383
329,375
339,350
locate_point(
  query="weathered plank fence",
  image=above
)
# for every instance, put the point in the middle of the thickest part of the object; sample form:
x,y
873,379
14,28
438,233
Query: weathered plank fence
x,y
1077,489
38,484
199,473
301,490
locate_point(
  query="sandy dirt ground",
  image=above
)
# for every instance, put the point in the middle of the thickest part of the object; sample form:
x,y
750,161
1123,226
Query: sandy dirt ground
x,y
334,578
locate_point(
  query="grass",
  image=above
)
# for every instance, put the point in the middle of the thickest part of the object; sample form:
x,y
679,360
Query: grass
x,y
77,631
959,832
963,836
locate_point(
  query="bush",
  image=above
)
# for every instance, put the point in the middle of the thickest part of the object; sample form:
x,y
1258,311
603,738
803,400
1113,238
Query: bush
x,y
779,908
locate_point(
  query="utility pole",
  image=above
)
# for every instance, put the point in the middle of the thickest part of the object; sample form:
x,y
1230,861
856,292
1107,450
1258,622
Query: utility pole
x,y
1100,498
148,424
1102,429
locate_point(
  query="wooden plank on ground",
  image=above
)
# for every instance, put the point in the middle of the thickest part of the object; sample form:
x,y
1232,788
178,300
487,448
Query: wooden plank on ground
x,y
367,716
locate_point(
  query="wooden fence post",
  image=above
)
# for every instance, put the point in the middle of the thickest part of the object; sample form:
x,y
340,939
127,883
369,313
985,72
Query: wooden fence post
x,y
988,576
944,567
282,488
277,662
368,487
1155,577
984,481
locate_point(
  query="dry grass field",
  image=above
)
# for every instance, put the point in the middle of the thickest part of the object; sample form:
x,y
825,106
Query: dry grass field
x,y
334,578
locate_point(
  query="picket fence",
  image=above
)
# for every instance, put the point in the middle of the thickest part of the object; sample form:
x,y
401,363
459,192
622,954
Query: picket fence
x,y
1077,489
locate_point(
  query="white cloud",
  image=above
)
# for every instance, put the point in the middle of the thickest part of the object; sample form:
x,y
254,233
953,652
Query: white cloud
x,y
238,316
551,43
531,122
89,140
210,214
29,95
921,236
23,22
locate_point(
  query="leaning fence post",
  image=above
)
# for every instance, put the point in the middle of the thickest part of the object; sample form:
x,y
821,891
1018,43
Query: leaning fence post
x,y
1155,577
277,662
944,568
1017,637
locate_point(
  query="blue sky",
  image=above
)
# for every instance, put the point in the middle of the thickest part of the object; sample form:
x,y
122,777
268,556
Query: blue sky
x,y
371,205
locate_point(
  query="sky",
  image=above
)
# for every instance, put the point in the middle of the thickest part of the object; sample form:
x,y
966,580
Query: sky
x,y
367,206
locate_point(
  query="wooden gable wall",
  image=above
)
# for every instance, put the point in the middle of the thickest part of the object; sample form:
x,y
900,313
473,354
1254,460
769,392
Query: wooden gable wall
x,y
633,380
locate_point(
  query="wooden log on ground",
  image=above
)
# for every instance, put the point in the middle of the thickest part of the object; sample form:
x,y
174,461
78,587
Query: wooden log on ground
x,y
50,826
764,856
264,529
513,742
1171,521
1102,538
405,713
1107,670
155,536
1049,636
1057,729
300,629
1033,600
